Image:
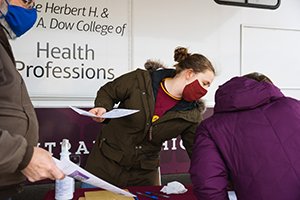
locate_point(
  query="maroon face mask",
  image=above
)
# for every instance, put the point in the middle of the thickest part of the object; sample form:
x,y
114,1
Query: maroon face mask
x,y
193,91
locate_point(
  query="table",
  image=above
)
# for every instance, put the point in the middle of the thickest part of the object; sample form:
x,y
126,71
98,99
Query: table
x,y
80,193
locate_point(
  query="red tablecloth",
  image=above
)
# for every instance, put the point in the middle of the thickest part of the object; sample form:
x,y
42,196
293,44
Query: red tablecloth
x,y
186,196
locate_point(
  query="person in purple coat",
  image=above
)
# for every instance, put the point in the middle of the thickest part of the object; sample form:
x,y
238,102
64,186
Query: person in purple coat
x,y
252,140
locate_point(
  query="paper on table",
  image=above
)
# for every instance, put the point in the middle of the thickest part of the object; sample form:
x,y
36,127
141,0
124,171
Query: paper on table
x,y
114,113
71,169
104,195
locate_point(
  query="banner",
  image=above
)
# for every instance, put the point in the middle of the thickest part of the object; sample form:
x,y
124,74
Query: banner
x,y
74,48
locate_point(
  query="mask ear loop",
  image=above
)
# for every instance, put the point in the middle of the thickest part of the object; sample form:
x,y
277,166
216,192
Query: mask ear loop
x,y
3,23
2,13
8,4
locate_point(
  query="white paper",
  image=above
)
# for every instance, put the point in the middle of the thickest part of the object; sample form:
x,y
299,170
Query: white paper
x,y
72,170
119,112
115,113
232,195
83,112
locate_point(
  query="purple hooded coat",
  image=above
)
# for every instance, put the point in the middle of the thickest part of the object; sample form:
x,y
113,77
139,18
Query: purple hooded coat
x,y
252,139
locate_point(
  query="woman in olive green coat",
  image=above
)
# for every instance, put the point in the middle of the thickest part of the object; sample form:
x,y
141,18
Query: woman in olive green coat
x,y
126,153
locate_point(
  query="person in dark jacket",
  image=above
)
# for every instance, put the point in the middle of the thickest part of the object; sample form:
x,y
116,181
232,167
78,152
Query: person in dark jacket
x,y
126,152
252,140
19,156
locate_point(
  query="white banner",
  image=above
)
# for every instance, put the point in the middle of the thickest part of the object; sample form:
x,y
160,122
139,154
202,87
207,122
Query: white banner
x,y
74,48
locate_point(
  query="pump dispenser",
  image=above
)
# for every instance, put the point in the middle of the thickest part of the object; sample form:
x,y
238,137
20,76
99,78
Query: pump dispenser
x,y
64,188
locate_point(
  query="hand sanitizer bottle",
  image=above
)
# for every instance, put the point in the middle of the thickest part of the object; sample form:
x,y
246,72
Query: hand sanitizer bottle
x,y
64,188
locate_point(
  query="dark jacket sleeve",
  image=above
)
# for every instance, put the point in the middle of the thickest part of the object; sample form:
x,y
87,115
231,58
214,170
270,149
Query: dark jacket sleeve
x,y
188,139
207,169
115,91
15,154
13,150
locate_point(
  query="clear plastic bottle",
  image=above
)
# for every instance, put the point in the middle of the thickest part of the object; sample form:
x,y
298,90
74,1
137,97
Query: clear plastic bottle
x,y
64,188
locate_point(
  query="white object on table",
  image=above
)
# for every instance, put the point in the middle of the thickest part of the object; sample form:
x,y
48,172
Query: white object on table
x,y
174,187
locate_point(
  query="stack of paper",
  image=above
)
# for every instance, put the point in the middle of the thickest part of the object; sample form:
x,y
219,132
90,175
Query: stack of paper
x,y
104,195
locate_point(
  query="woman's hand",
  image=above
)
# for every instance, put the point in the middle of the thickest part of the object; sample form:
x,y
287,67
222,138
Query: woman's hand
x,y
99,111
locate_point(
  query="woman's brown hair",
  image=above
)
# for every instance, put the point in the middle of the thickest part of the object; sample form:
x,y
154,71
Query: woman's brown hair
x,y
258,77
186,60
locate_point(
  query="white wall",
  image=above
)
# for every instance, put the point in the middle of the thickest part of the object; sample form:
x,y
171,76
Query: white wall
x,y
208,28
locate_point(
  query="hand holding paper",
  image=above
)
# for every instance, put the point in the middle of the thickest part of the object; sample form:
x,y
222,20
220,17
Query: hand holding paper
x,y
98,111
72,170
83,112
115,113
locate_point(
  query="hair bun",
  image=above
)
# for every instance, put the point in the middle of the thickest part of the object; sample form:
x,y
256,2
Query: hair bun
x,y
180,54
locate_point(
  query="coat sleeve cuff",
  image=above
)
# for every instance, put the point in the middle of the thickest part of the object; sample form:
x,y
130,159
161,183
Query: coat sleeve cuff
x,y
27,157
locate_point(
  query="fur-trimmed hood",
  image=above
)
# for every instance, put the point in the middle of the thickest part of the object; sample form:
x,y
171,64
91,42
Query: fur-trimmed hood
x,y
152,65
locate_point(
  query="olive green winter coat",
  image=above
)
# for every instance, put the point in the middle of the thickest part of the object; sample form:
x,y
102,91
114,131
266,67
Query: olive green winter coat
x,y
133,141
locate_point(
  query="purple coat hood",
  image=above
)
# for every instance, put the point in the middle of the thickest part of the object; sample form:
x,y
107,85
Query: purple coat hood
x,y
253,140
242,93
